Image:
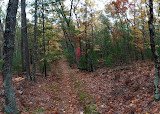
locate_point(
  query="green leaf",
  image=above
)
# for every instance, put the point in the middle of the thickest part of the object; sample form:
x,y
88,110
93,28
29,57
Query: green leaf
x,y
94,108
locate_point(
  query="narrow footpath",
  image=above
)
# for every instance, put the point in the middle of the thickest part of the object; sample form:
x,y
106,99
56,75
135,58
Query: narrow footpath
x,y
69,103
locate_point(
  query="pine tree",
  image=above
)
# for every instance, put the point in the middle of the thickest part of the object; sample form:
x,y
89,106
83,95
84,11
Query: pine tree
x,y
35,44
25,39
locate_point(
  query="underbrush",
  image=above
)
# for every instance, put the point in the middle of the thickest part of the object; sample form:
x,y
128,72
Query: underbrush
x,y
50,58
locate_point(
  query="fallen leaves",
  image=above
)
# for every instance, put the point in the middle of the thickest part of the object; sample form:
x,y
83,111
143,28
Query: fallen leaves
x,y
125,89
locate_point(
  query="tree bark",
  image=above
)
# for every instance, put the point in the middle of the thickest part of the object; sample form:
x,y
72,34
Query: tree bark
x,y
22,42
44,45
1,38
85,35
8,50
91,65
25,39
35,44
23,53
154,51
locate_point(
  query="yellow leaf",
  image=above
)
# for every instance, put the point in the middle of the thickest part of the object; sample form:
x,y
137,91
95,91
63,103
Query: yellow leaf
x,y
134,100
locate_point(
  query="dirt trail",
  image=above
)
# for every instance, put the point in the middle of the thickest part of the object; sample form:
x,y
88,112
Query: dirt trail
x,y
66,90
115,91
68,98
52,95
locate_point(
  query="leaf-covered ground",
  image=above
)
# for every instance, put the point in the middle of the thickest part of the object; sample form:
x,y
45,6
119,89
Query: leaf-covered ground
x,y
125,89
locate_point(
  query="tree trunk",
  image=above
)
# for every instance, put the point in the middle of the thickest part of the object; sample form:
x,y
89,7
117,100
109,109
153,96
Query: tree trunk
x,y
91,65
35,44
23,53
142,55
22,42
143,32
85,35
154,51
1,38
25,39
44,45
8,50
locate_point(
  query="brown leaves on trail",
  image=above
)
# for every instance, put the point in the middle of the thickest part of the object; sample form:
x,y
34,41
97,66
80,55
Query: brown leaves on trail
x,y
122,89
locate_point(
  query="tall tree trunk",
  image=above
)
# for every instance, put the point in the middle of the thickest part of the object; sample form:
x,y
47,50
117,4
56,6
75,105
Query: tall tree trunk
x,y
23,53
90,55
154,51
25,39
8,50
85,32
44,45
35,44
143,32
142,55
134,48
1,38
22,44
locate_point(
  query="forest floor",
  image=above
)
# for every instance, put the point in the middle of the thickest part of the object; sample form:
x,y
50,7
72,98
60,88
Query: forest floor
x,y
125,89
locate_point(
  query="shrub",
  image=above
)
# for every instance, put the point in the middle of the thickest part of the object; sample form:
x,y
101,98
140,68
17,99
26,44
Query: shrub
x,y
1,61
41,65
108,61
69,54
17,62
82,62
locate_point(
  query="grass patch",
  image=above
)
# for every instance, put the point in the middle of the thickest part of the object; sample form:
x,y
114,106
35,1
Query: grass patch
x,y
57,99
83,96
39,110
87,103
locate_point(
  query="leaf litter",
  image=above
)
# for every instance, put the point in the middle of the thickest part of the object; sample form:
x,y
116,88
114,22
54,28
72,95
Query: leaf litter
x,y
115,90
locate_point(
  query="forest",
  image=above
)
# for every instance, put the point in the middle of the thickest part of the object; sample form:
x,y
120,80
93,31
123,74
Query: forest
x,y
79,56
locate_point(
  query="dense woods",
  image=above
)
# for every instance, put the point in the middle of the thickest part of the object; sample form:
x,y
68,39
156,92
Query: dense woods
x,y
98,53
